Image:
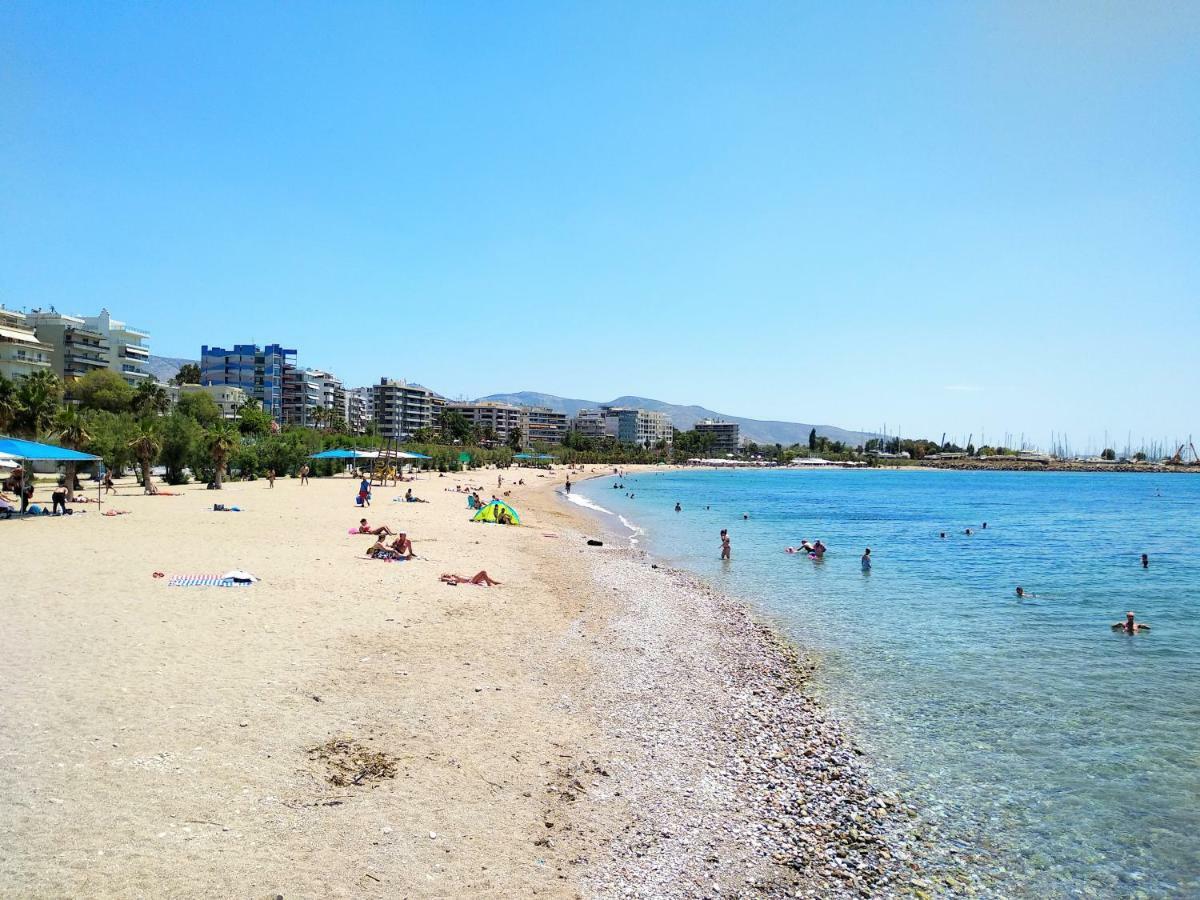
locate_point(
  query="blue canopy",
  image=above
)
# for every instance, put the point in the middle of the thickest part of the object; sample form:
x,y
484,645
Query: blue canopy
x,y
533,456
342,454
32,450
407,454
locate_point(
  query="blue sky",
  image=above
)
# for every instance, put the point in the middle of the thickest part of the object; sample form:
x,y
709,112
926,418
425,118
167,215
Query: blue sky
x,y
942,216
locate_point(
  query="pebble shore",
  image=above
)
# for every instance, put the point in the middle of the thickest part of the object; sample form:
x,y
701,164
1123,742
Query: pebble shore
x,y
735,781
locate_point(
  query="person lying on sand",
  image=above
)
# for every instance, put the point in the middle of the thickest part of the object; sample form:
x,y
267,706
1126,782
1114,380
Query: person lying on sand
x,y
364,528
481,577
1129,626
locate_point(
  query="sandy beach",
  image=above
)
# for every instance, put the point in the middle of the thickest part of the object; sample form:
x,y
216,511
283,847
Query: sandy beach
x,y
346,727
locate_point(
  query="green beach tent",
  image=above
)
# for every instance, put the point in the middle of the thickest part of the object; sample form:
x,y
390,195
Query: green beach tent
x,y
491,513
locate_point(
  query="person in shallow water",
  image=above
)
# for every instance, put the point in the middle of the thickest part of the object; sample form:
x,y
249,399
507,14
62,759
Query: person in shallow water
x,y
1022,593
678,508
1129,626
1145,561
866,560
725,546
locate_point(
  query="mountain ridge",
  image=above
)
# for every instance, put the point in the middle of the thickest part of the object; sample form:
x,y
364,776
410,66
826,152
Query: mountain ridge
x,y
762,431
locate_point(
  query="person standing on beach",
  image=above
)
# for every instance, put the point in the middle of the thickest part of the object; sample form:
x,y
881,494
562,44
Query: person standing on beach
x,y
726,549
304,470
866,560
270,478
568,484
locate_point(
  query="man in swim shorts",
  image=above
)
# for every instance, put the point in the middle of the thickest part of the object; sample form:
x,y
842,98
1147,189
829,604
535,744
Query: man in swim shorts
x,y
1129,626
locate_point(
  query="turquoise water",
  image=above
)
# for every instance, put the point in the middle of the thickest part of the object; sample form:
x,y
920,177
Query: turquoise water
x,y
1065,755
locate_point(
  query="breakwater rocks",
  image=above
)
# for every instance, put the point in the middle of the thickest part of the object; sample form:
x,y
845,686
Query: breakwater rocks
x,y
735,780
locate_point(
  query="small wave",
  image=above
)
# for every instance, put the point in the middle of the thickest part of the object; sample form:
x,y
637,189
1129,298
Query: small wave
x,y
637,531
580,500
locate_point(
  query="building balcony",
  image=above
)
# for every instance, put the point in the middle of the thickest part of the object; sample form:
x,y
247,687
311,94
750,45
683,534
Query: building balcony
x,y
134,351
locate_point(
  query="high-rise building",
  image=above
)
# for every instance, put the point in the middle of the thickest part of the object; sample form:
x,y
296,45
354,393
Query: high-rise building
x,y
360,408
544,425
303,394
402,408
589,423
725,434
21,353
257,371
128,353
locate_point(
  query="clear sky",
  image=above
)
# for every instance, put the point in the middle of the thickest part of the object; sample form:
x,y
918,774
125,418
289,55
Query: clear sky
x,y
942,216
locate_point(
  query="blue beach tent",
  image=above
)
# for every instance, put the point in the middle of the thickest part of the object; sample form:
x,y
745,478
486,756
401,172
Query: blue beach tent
x,y
35,452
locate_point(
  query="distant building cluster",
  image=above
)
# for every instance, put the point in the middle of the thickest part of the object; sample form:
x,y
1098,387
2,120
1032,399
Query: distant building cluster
x,y
291,394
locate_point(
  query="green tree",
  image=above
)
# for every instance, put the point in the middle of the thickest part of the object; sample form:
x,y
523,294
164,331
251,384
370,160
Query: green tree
x,y
253,420
812,440
1108,454
222,440
149,399
38,399
199,406
515,440
189,373
146,445
102,389
111,434
455,426
71,429
8,402
180,436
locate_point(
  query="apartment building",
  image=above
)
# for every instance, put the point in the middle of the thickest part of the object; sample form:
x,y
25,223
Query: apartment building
x,y
259,371
76,348
725,434
544,425
229,399
643,427
401,408
501,418
303,395
21,352
128,351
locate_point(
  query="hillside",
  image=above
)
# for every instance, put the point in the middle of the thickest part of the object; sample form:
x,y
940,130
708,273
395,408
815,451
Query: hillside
x,y
684,417
164,368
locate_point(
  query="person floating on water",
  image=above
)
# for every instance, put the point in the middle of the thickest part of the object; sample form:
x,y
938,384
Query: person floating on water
x,y
725,547
1129,626
1145,561
968,532
1022,593
745,515
866,560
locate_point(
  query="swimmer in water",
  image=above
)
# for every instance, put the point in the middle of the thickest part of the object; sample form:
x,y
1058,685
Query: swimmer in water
x,y
1145,561
805,546
1022,593
745,515
725,546
968,532
818,549
678,508
866,560
1129,626
943,534
985,525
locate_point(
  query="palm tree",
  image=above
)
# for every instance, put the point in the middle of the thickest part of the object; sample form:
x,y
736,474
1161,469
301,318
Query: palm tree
x,y
38,397
222,439
8,402
146,445
71,428
150,399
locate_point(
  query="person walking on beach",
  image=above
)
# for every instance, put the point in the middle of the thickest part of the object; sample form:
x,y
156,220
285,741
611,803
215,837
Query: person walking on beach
x,y
108,482
866,560
271,478
726,549
304,470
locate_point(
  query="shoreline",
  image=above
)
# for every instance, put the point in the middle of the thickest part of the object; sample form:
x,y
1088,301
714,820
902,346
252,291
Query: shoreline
x,y
795,788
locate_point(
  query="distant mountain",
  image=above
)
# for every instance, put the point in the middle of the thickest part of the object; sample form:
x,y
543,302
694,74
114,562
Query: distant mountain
x,y
684,417
164,368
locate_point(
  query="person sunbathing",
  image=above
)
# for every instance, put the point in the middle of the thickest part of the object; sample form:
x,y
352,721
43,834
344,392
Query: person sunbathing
x,y
403,546
364,528
481,578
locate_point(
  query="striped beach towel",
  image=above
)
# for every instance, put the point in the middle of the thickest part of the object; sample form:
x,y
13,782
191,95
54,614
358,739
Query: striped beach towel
x,y
204,581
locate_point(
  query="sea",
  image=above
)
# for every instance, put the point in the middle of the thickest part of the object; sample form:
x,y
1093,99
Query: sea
x,y
1056,757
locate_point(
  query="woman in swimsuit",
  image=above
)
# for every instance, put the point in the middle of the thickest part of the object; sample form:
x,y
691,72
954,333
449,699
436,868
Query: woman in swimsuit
x,y
481,577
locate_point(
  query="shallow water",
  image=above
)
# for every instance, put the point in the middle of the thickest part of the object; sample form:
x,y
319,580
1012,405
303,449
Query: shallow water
x,y
1067,753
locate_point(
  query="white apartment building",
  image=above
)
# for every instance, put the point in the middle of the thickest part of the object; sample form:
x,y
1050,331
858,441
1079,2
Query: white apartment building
x,y
544,425
502,418
642,427
229,398
21,353
77,348
128,352
402,408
